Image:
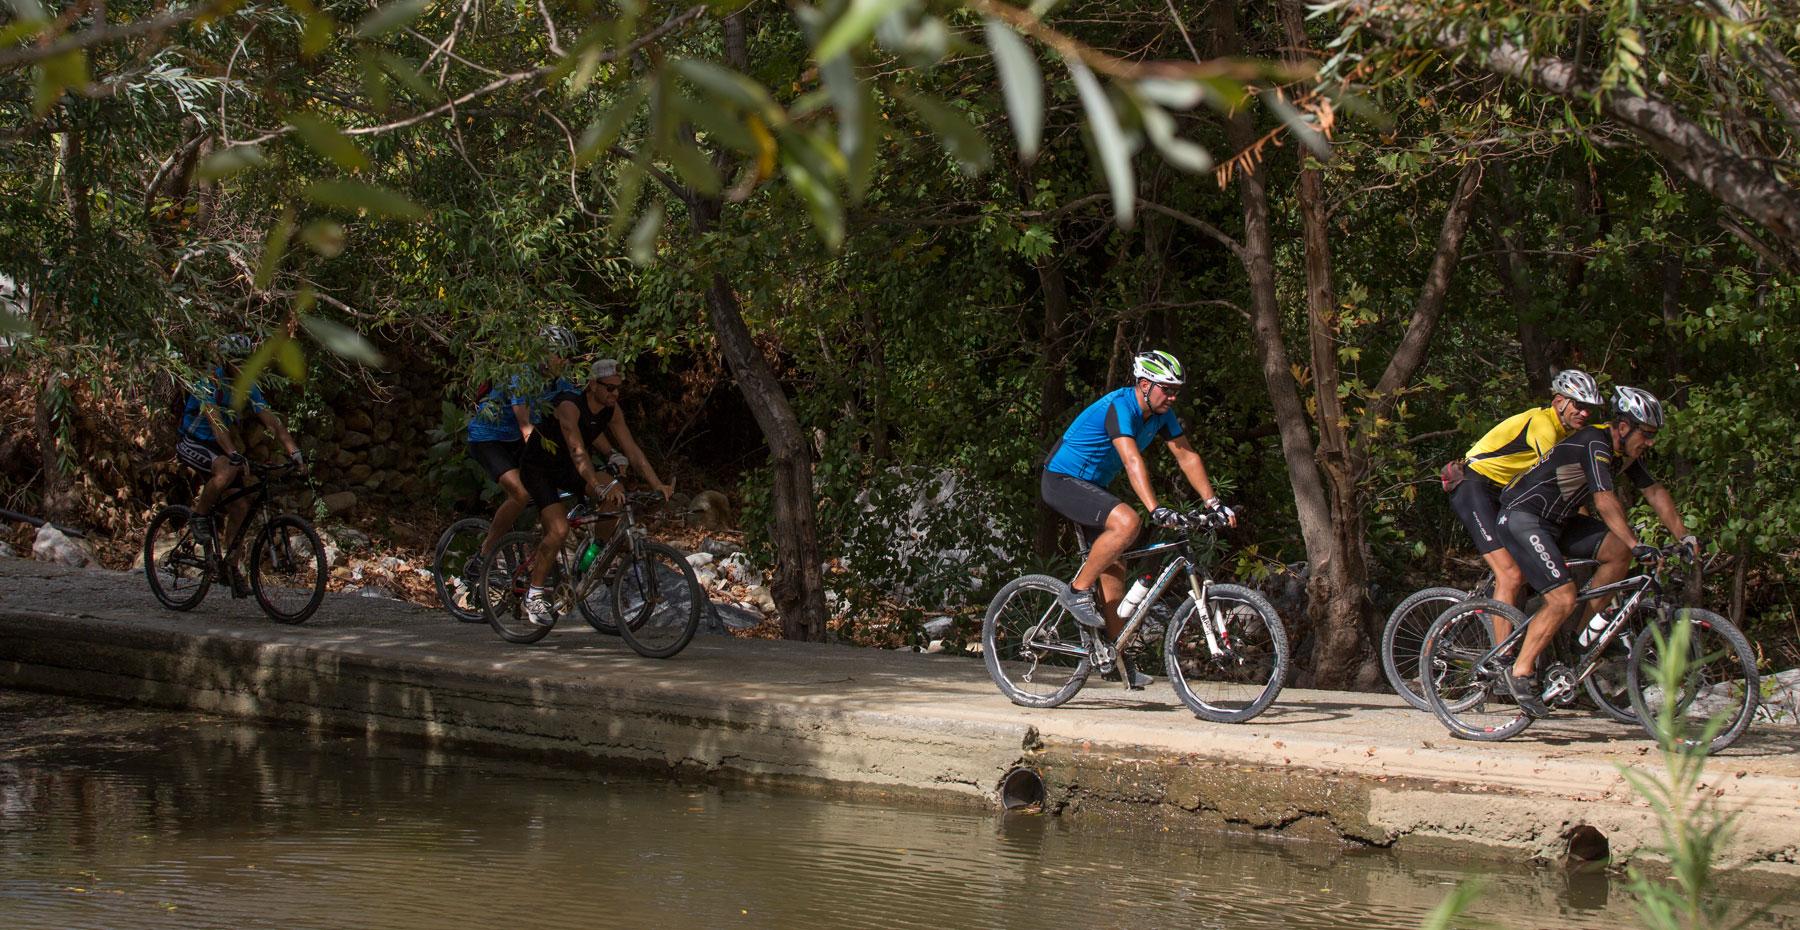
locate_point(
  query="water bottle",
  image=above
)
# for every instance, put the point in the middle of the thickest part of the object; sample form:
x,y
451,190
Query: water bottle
x,y
588,554
1595,626
1139,590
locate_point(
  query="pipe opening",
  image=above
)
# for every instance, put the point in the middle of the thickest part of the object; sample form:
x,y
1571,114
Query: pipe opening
x,y
1587,844
1022,789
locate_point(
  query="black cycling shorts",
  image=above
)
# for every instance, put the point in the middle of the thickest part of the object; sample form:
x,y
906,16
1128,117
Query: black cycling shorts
x,y
1543,549
1084,502
1476,502
497,458
199,454
547,483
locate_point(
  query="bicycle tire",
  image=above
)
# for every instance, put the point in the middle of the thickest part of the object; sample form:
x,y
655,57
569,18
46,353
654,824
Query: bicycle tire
x,y
596,608
1608,685
638,589
1243,681
1461,693
451,547
1730,666
1405,631
1004,649
183,556
290,546
505,575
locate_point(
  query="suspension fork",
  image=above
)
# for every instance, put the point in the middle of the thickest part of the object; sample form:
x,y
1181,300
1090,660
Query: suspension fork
x,y
1201,589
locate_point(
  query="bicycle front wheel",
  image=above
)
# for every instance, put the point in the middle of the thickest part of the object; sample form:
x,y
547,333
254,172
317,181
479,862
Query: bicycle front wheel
x,y
174,564
505,578
1608,685
455,548
1719,687
288,570
1405,633
1228,663
656,599
1469,695
1034,650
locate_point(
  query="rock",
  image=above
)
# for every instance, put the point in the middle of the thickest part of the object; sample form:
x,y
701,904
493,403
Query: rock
x,y
710,509
936,627
360,473
737,618
1781,701
355,440
349,538
52,545
359,420
374,481
343,458
339,501
698,559
384,430
6,550
383,456
761,597
392,563
736,567
719,547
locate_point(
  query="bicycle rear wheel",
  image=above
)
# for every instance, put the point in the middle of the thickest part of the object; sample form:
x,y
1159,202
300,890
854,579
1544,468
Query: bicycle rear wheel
x,y
505,578
458,544
288,570
174,564
1718,691
1234,673
1467,694
1034,650
656,599
1405,633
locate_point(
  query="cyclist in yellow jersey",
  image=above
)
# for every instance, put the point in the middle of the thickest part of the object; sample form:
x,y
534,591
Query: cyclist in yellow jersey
x,y
1508,451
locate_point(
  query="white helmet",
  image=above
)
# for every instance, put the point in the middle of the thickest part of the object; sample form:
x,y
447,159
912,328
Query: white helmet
x,y
1158,366
1637,405
1578,386
560,338
236,345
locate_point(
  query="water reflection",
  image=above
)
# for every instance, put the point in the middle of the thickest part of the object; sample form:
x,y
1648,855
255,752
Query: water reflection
x,y
122,818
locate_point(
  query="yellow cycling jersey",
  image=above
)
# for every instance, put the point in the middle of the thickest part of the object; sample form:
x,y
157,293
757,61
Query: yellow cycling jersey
x,y
1519,442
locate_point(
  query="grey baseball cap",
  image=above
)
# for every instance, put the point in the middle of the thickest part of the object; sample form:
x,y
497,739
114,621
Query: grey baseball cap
x,y
603,368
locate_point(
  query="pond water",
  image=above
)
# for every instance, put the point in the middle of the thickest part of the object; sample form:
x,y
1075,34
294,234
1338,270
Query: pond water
x,y
123,818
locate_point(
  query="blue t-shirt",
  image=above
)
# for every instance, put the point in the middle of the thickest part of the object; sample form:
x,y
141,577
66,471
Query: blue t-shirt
x,y
216,391
493,420
1086,450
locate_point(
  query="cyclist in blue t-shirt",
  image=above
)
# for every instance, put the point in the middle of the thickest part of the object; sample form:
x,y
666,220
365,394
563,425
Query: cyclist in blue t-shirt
x,y
1107,437
210,444
499,427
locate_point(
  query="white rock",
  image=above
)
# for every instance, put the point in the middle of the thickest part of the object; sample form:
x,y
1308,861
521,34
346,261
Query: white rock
x,y
52,545
736,567
6,550
698,559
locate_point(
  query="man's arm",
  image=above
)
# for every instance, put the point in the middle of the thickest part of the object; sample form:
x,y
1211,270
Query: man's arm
x,y
629,446
221,432
1136,471
1192,466
570,420
273,424
1612,513
522,414
1664,504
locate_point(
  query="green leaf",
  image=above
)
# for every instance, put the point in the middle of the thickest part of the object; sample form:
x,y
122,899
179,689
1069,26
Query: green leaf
x,y
1181,153
407,74
56,75
1022,83
1109,139
374,82
290,359
275,246
13,324
640,246
822,202
1298,125
316,34
17,31
325,237
959,136
603,132
227,162
630,186
356,195
721,127
326,139
854,26
695,168
388,18
1176,95
342,341
732,87
248,375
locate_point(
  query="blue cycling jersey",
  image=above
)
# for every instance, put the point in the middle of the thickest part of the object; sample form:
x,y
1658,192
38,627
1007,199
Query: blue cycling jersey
x,y
493,420
1086,450
216,391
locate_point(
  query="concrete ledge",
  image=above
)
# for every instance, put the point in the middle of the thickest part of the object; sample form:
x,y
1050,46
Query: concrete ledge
x,y
1346,767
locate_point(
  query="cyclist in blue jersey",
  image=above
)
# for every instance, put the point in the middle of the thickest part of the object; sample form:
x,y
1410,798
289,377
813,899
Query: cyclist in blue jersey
x,y
1106,438
500,426
211,444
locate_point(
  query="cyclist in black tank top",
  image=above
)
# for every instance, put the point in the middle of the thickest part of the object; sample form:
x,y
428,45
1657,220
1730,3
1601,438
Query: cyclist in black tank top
x,y
557,461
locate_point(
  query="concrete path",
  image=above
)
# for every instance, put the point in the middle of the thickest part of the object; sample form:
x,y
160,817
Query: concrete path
x,y
1363,767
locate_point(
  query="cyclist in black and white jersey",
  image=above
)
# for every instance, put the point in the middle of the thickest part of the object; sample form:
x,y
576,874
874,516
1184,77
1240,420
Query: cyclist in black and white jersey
x,y
1541,525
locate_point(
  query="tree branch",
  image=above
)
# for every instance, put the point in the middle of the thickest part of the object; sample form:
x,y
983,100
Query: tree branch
x,y
24,55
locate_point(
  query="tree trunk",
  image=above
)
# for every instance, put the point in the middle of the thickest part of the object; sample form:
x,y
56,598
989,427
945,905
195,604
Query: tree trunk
x,y
1515,279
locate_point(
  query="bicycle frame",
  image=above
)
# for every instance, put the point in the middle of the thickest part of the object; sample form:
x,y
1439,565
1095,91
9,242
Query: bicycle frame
x,y
1199,584
262,489
1641,585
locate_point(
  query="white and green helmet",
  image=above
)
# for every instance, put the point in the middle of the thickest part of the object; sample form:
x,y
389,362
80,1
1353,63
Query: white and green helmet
x,y
1159,366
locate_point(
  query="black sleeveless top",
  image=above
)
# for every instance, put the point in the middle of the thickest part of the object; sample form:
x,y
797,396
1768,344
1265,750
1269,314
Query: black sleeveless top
x,y
548,446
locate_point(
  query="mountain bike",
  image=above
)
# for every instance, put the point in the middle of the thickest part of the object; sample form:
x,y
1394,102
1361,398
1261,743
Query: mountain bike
x,y
1467,690
651,597
1412,617
1224,648
460,542
287,560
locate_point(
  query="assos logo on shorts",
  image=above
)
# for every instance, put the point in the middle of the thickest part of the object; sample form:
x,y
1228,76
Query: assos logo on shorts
x,y
1549,563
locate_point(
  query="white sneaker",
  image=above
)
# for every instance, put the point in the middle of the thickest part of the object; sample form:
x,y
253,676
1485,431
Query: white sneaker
x,y
537,610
